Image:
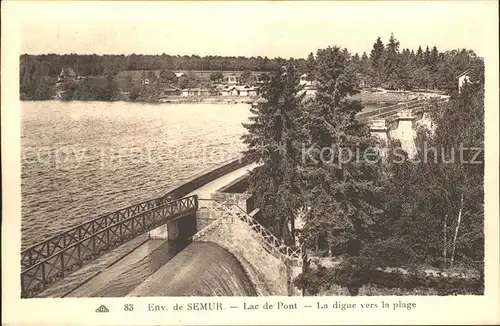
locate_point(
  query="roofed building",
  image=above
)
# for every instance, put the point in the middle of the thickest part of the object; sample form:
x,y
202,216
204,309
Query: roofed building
x,y
463,78
66,75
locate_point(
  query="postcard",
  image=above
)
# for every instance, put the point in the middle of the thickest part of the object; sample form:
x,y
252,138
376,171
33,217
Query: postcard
x,y
246,163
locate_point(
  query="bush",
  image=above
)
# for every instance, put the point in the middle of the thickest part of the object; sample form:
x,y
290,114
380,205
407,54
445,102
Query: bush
x,y
358,272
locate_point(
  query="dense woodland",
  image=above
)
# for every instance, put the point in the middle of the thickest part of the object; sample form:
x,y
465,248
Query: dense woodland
x,y
396,213
386,65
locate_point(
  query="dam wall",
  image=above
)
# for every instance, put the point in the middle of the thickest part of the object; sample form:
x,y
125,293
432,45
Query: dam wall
x,y
171,230
201,269
268,273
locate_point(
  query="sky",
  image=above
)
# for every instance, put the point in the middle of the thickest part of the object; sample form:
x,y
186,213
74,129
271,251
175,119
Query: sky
x,y
265,28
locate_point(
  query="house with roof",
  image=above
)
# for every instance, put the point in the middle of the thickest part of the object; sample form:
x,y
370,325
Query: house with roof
x,y
247,90
463,78
253,91
304,80
66,75
232,80
230,91
196,92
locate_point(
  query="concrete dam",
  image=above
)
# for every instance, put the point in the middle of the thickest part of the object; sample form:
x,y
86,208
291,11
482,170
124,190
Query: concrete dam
x,y
201,238
201,269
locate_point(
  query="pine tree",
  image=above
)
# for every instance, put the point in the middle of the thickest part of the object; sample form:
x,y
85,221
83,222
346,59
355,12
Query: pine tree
x,y
339,192
433,57
392,63
433,67
274,138
377,56
419,57
405,70
365,65
356,63
427,57
310,64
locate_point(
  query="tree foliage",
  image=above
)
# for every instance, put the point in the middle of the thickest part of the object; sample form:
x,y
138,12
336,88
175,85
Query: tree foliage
x,y
435,207
340,192
273,137
247,78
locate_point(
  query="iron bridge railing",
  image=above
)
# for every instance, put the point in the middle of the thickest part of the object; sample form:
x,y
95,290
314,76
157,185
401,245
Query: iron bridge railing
x,y
50,260
387,111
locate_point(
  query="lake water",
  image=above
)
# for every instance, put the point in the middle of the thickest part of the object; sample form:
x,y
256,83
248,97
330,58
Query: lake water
x,y
83,159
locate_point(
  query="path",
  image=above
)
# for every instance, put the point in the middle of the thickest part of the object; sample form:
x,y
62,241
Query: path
x,y
205,192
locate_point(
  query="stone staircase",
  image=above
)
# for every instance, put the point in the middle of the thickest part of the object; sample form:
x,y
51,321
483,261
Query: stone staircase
x,y
228,212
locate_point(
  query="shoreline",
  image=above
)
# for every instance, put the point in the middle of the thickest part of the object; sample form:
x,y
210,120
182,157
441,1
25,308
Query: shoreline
x,y
169,100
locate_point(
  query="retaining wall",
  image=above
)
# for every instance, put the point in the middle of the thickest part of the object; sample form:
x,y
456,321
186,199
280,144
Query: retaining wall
x,y
268,273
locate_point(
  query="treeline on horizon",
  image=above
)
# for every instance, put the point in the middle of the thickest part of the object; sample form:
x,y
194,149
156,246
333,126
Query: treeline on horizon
x,y
384,66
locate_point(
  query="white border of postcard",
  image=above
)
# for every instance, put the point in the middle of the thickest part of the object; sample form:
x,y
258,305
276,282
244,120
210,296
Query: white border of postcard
x,y
435,310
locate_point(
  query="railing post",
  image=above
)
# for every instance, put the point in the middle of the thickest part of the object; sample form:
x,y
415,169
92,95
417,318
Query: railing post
x,y
93,239
23,284
43,275
62,263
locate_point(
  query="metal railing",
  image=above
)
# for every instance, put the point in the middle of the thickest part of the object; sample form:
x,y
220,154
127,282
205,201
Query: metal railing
x,y
392,109
270,240
47,248
90,239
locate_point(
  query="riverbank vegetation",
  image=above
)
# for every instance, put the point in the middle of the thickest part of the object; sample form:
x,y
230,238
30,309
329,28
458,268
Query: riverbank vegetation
x,y
413,217
118,77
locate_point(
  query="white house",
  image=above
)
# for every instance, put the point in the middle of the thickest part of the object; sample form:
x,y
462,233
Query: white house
x,y
233,80
463,78
246,91
243,92
304,81
66,75
230,91
191,92
253,91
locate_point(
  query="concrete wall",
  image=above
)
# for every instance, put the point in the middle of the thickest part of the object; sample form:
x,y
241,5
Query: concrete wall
x,y
181,190
268,273
404,132
400,127
205,215
179,229
242,200
207,211
380,130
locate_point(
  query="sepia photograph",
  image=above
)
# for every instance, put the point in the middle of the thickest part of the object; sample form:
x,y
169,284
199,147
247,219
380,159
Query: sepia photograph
x,y
173,151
